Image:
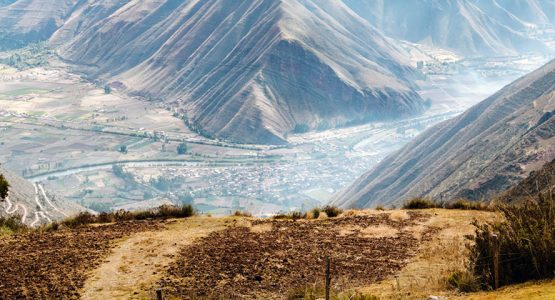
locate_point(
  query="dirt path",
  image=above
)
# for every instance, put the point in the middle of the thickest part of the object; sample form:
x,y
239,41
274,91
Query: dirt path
x,y
137,263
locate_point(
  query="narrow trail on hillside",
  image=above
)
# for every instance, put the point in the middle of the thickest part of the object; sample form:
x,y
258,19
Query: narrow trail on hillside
x,y
138,262
11,208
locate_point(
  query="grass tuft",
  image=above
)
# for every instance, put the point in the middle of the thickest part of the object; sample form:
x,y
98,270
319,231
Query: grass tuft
x,y
526,243
463,281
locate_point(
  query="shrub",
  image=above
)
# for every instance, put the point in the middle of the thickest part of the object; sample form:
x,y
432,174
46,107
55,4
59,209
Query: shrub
x,y
379,207
4,187
82,218
11,224
332,211
295,215
526,239
420,203
162,212
464,204
239,213
182,149
463,281
315,213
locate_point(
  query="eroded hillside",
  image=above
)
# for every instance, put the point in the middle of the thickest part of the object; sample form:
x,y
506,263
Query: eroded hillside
x,y
484,151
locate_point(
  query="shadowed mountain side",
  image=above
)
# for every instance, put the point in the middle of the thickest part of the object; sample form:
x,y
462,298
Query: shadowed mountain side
x,y
476,155
27,21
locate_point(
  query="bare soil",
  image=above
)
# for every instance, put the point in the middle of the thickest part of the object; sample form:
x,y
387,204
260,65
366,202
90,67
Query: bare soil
x,y
269,258
55,265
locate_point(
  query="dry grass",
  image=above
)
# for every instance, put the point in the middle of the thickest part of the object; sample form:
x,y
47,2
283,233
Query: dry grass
x,y
538,290
436,260
399,215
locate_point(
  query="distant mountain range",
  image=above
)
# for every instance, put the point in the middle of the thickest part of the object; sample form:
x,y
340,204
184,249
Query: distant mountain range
x,y
469,27
476,155
254,71
246,71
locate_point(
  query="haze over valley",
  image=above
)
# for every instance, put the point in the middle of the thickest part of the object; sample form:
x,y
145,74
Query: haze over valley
x,y
96,99
277,149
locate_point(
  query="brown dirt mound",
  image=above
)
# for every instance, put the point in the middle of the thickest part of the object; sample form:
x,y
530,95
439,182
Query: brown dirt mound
x,y
54,265
241,263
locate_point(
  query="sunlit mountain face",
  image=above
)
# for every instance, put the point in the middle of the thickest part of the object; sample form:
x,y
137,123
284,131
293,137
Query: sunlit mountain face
x,y
262,106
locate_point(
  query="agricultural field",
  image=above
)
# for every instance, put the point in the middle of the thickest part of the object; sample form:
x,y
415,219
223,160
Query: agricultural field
x,y
406,254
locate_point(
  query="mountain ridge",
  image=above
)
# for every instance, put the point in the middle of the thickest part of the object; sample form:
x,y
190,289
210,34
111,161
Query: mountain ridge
x,y
476,155
267,67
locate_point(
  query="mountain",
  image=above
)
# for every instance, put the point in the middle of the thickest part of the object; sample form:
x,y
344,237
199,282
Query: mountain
x,y
247,71
468,27
27,21
33,203
476,155
541,182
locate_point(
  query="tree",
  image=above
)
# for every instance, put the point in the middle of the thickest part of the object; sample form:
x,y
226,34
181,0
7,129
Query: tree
x,y
107,89
122,149
182,149
4,187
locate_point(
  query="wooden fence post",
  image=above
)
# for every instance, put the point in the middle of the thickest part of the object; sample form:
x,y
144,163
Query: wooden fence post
x,y
159,295
495,240
328,278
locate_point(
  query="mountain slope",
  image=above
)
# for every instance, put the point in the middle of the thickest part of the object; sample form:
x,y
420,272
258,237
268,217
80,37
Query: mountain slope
x,y
541,182
246,71
27,21
33,203
472,28
485,150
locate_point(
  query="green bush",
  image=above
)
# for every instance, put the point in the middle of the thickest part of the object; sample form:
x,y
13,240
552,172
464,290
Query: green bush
x,y
315,212
332,211
4,187
526,244
11,224
420,203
